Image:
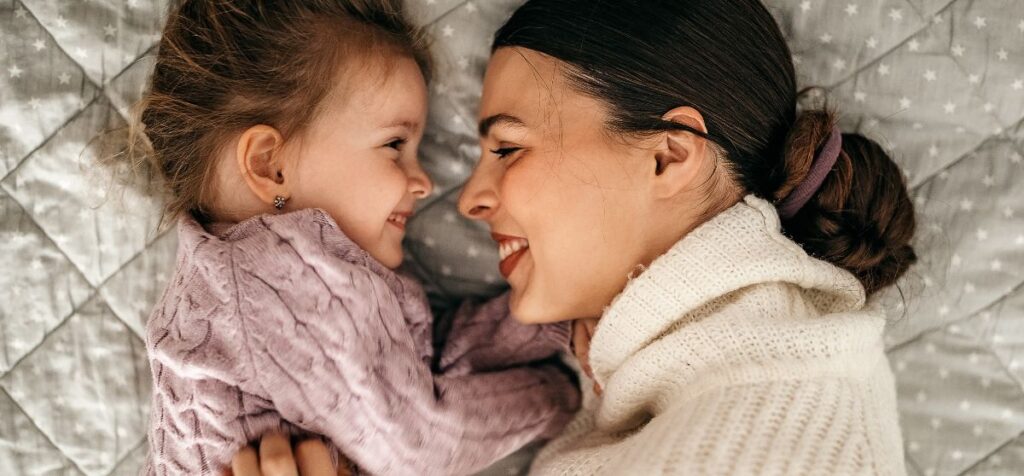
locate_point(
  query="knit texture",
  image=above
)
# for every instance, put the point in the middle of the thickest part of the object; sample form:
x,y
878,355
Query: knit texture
x,y
282,322
736,353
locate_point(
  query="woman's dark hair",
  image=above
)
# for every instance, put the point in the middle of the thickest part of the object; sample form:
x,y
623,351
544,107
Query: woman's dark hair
x,y
729,60
226,65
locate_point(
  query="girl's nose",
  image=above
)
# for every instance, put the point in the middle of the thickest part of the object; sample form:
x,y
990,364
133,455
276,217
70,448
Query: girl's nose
x,y
419,184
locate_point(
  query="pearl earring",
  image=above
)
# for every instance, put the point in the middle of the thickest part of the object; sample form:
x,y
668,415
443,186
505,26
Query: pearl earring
x,y
279,202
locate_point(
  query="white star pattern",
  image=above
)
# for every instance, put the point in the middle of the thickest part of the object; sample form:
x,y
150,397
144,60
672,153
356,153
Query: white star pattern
x,y
870,70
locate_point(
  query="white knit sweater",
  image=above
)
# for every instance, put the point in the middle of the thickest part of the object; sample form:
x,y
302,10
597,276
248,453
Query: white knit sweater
x,y
736,353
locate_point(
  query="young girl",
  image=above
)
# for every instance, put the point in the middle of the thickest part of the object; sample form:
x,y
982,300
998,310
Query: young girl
x,y
286,135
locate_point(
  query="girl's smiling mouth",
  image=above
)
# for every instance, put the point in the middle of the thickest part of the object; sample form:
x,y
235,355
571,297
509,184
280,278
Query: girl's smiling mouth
x,y
398,219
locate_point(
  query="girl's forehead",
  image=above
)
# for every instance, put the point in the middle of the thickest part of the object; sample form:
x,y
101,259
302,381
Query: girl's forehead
x,y
394,92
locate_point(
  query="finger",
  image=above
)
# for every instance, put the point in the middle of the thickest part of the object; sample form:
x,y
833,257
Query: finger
x,y
597,389
246,462
276,457
591,326
344,468
581,343
313,458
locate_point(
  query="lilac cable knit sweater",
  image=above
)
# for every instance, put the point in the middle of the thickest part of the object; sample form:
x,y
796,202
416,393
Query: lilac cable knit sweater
x,y
282,322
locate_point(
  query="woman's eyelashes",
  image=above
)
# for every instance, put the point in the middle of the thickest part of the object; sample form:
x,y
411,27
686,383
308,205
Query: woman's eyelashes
x,y
505,152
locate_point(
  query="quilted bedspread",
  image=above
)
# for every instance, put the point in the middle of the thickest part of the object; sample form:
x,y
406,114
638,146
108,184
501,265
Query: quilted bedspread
x,y
940,83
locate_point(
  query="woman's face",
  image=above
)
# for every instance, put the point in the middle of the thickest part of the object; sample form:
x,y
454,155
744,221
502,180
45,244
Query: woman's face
x,y
574,208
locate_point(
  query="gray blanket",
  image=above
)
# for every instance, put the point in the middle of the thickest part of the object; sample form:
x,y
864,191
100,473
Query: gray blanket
x,y
940,83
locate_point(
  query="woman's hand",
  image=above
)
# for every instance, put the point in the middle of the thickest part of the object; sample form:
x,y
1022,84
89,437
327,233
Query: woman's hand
x,y
582,332
277,457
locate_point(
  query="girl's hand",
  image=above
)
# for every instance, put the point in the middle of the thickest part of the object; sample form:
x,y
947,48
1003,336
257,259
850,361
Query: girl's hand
x,y
582,332
277,457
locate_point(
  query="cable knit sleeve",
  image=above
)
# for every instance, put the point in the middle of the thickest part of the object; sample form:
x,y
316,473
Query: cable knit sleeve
x,y
329,346
486,337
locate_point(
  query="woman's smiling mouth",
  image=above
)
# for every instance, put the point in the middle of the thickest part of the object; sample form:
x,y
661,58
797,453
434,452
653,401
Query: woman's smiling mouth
x,y
510,250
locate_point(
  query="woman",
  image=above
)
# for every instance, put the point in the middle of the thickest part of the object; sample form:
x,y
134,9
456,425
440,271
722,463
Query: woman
x,y
644,164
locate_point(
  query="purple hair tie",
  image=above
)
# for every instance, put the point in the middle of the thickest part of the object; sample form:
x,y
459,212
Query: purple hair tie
x,y
822,165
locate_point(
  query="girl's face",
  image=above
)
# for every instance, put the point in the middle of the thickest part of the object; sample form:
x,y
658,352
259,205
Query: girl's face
x,y
358,160
574,209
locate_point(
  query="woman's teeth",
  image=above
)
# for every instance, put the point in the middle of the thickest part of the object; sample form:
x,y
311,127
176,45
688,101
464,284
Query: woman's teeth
x,y
510,247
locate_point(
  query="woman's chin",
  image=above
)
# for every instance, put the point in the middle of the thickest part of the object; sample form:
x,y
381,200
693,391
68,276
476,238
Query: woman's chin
x,y
530,309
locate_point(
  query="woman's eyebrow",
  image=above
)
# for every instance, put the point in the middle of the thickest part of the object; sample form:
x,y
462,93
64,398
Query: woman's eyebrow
x,y
499,119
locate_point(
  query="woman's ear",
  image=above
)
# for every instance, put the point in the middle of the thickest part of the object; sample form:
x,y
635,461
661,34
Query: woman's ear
x,y
680,155
261,162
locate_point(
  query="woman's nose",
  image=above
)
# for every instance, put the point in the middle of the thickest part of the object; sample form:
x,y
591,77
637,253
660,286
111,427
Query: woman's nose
x,y
478,201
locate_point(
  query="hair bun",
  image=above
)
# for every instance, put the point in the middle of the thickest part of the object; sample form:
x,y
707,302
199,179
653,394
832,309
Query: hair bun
x,y
862,218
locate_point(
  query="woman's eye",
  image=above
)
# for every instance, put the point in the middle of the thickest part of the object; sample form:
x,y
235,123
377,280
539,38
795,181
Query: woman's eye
x,y
504,152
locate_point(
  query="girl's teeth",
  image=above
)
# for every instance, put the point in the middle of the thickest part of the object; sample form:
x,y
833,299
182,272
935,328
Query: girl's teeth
x,y
510,247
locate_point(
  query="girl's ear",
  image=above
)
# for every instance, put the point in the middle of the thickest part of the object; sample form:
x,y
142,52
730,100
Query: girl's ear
x,y
261,162
680,156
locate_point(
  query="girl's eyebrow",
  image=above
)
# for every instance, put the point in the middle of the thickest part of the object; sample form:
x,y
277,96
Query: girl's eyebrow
x,y
410,125
499,119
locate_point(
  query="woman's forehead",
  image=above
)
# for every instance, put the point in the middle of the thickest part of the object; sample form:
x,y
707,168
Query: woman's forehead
x,y
529,86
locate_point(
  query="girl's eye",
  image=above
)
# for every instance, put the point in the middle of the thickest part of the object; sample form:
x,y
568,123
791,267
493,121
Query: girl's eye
x,y
396,144
504,152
